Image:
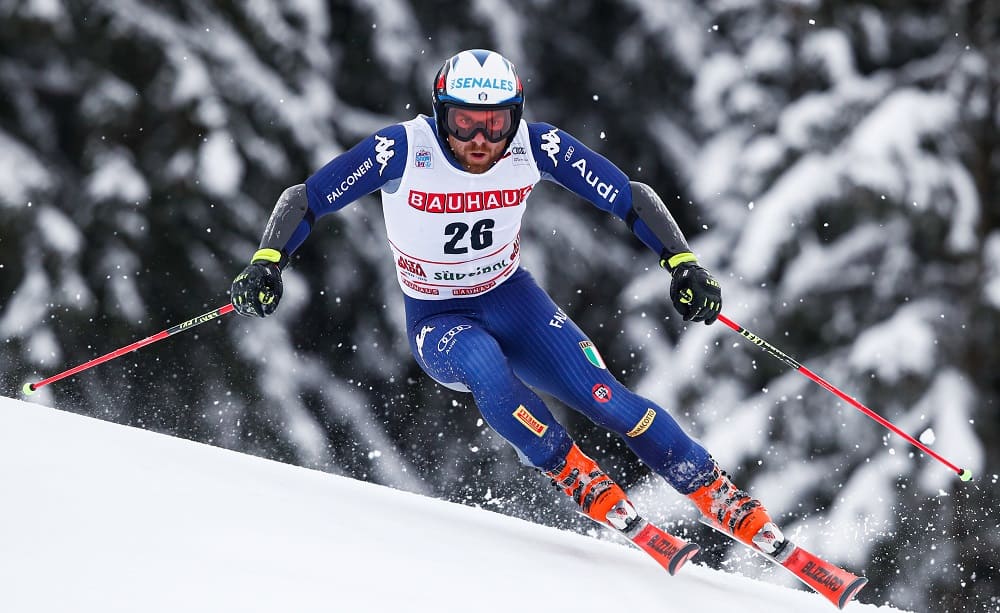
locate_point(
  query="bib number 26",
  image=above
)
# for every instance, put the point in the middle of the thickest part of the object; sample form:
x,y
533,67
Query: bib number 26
x,y
480,236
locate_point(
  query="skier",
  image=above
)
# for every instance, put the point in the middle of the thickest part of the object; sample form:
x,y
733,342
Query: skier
x,y
454,189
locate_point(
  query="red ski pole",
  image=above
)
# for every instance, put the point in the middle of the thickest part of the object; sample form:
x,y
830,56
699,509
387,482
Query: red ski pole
x,y
31,388
963,473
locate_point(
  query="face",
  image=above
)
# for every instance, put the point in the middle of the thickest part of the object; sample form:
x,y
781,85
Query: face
x,y
477,155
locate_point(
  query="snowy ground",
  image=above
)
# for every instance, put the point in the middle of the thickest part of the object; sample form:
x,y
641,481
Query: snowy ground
x,y
103,518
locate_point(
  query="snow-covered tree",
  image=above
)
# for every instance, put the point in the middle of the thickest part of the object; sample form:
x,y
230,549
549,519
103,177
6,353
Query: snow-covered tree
x,y
833,162
842,178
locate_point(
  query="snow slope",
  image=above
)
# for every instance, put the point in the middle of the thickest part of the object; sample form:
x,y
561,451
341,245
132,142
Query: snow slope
x,y
102,518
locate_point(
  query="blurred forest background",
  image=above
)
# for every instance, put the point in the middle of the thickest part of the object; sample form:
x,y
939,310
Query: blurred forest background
x,y
835,163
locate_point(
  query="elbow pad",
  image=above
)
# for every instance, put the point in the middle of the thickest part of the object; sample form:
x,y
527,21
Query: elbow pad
x,y
647,206
291,209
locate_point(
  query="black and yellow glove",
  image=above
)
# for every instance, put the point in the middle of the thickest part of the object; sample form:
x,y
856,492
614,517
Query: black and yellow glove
x,y
696,295
257,290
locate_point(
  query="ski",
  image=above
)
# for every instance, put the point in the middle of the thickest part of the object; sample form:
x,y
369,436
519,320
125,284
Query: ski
x,y
828,580
671,552
832,582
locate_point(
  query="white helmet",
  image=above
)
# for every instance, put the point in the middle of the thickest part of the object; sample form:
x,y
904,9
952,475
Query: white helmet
x,y
478,80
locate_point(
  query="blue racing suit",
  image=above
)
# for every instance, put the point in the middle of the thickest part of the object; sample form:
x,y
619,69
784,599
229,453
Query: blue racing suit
x,y
498,340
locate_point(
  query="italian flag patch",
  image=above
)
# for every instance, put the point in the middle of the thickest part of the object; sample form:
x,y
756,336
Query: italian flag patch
x,y
592,355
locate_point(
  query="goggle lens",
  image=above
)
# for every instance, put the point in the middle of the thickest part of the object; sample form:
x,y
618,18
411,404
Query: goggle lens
x,y
495,124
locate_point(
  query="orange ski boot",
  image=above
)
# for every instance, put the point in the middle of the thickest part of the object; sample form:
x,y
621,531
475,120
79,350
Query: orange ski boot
x,y
599,497
735,512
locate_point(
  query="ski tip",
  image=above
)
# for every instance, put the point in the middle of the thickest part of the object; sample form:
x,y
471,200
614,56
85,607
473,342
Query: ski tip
x,y
686,553
28,389
851,591
965,475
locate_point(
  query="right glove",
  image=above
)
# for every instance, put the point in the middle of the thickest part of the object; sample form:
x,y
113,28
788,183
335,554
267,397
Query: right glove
x,y
696,295
257,290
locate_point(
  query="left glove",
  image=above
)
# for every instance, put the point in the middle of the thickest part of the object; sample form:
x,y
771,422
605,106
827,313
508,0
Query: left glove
x,y
696,295
257,290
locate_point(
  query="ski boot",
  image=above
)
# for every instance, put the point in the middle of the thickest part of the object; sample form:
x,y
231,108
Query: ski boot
x,y
599,497
734,512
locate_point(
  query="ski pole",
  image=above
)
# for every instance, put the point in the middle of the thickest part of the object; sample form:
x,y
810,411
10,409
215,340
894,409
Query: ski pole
x,y
963,473
31,388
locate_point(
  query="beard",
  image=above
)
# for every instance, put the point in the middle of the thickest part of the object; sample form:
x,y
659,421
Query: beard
x,y
486,154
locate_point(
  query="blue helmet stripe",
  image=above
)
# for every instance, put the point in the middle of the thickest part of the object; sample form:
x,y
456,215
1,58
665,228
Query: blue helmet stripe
x,y
480,55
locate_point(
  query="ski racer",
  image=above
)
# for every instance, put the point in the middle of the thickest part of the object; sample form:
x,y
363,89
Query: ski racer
x,y
455,187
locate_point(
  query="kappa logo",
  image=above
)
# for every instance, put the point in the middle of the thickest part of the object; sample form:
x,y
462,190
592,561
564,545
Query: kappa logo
x,y
421,336
551,145
383,151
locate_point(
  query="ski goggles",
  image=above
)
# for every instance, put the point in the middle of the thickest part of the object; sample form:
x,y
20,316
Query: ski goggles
x,y
496,124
